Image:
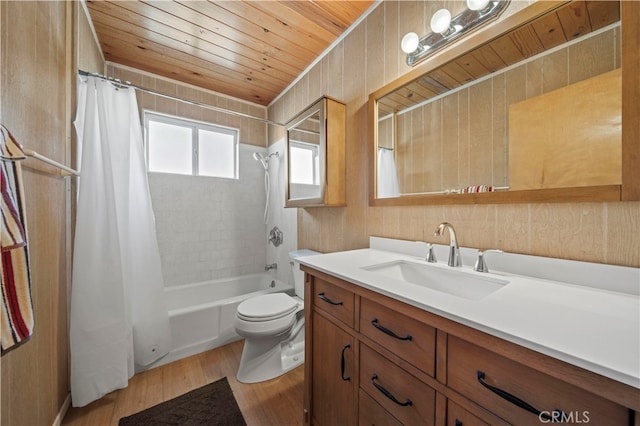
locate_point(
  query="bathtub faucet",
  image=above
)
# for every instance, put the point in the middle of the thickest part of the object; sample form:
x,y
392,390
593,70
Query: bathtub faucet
x,y
270,266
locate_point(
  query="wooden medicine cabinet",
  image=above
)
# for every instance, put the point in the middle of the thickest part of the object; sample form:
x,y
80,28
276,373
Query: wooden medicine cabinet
x,y
471,116
315,156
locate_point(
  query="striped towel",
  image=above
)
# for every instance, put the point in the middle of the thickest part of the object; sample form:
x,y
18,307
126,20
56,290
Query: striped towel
x,y
16,307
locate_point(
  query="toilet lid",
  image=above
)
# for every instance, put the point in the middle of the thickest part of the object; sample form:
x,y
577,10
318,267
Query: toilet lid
x,y
267,307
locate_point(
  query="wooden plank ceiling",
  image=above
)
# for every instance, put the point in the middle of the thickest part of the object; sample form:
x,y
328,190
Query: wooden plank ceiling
x,y
250,50
567,23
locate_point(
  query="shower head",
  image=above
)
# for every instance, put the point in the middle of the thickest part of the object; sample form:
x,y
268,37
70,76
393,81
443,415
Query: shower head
x,y
265,160
259,157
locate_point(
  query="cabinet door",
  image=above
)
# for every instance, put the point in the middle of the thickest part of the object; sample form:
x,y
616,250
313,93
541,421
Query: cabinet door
x,y
333,375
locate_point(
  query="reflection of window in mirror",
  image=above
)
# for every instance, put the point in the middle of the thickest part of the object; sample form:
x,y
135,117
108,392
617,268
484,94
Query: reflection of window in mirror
x,y
304,163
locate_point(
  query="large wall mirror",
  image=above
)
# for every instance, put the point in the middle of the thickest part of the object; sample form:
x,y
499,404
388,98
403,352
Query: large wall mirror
x,y
528,110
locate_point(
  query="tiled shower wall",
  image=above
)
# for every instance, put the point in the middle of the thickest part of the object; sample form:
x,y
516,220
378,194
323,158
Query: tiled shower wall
x,y
210,228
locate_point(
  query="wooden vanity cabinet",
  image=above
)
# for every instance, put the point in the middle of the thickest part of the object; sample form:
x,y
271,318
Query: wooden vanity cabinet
x,y
373,360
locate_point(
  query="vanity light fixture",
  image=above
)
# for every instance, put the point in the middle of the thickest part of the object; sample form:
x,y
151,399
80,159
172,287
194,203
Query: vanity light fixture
x,y
445,29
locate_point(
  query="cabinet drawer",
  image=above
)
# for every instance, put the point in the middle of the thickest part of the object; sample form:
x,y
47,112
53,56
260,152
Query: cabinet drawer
x,y
334,300
406,337
372,414
385,382
468,365
458,416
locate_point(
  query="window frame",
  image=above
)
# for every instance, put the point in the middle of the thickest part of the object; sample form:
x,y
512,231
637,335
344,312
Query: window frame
x,y
195,126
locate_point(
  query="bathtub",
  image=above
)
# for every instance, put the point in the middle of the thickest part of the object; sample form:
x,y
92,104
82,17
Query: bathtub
x,y
201,314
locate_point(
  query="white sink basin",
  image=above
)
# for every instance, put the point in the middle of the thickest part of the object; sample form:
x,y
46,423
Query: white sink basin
x,y
451,281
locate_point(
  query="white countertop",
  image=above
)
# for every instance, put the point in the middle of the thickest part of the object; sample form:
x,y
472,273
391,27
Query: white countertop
x,y
593,328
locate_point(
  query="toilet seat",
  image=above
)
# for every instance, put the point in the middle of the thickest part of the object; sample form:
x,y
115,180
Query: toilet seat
x,y
267,307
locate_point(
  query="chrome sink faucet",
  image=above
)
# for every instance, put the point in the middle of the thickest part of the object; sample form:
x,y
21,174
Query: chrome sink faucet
x,y
454,252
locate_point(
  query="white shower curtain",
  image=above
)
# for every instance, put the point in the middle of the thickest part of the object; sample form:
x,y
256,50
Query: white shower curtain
x,y
388,186
118,313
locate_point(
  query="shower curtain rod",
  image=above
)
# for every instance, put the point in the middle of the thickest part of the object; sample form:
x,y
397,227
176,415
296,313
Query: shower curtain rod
x,y
176,98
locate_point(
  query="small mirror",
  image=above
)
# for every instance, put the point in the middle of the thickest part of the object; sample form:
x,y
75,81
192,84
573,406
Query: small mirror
x,y
315,156
304,143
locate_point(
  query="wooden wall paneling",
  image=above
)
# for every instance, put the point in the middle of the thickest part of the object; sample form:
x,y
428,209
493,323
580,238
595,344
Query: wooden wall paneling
x,y
534,72
450,150
432,152
499,138
418,141
38,39
464,152
251,131
556,71
401,149
631,100
480,128
592,57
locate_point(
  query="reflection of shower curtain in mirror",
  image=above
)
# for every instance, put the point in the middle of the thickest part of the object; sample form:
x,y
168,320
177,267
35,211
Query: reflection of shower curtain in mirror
x,y
118,314
387,177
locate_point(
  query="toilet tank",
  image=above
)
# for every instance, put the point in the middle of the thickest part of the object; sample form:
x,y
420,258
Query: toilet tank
x,y
298,275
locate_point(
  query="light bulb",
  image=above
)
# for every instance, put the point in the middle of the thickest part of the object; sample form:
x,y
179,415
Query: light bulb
x,y
441,21
410,43
477,4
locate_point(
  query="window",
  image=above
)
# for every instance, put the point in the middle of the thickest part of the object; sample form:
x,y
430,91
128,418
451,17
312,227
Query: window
x,y
305,163
185,147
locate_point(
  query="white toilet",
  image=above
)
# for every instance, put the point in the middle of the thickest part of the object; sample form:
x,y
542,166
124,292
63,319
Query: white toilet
x,y
273,327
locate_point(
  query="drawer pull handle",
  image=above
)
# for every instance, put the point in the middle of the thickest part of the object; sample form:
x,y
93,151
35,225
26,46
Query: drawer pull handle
x,y
556,414
342,363
326,299
389,394
374,322
458,423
